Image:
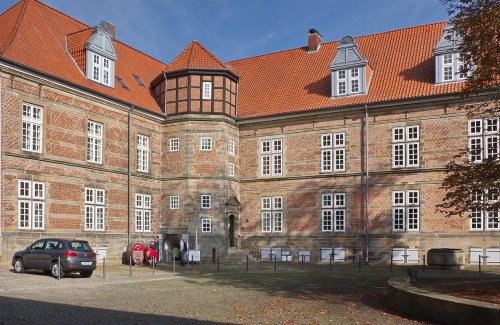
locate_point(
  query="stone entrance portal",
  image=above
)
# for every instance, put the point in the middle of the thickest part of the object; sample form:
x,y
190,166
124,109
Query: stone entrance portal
x,y
232,213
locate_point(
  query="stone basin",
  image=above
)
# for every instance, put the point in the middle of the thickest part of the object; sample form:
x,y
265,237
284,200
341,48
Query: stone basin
x,y
446,258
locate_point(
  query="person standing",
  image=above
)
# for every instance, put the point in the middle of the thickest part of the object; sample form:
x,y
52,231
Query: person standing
x,y
153,254
183,250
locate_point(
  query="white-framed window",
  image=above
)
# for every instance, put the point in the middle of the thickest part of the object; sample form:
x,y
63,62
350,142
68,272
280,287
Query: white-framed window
x,y
341,82
94,142
230,147
174,202
272,214
406,146
230,169
94,209
142,153
451,64
483,139
32,128
206,225
333,212
405,210
333,152
31,205
206,144
101,69
484,220
207,90
206,201
354,81
142,212
348,81
271,151
174,144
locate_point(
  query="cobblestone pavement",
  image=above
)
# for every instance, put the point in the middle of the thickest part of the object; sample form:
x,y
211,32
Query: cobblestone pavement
x,y
202,294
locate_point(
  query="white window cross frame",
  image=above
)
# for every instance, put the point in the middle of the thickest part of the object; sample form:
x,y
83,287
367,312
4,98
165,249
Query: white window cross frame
x,y
406,210
32,128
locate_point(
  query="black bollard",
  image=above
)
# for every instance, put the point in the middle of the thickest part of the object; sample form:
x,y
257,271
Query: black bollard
x,y
247,262
104,268
130,266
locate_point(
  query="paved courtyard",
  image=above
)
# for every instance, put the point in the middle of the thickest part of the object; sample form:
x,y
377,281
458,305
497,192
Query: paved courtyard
x,y
203,294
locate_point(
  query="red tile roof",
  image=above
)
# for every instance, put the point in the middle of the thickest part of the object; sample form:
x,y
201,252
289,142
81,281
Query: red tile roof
x,y
196,56
296,80
275,83
30,22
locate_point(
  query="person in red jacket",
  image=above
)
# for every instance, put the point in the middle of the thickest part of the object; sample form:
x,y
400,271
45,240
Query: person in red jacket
x,y
152,253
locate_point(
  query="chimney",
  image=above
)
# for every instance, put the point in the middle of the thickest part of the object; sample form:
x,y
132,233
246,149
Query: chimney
x,y
112,30
314,40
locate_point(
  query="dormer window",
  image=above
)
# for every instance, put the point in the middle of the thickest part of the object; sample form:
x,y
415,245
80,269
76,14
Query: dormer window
x,y
350,71
448,58
101,55
101,69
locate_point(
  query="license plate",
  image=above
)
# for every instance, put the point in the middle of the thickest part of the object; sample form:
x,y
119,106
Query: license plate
x,y
86,263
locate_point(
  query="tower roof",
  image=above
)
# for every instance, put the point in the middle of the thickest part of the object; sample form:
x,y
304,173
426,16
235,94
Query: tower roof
x,y
196,57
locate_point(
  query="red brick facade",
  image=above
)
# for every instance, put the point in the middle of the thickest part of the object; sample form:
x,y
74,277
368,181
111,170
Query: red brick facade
x,y
182,115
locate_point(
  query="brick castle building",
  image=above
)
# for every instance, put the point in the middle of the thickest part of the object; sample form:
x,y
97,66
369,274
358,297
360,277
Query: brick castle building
x,y
335,147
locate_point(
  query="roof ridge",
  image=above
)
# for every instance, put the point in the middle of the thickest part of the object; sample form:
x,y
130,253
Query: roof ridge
x,y
400,29
335,41
190,55
16,25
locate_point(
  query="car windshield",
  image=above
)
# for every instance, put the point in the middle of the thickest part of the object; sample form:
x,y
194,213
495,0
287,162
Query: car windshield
x,y
79,246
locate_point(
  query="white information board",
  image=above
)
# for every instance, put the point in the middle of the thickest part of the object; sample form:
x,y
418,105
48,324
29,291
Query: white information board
x,y
194,256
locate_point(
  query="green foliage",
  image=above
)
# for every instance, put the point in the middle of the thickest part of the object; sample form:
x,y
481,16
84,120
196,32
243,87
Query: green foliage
x,y
465,178
477,23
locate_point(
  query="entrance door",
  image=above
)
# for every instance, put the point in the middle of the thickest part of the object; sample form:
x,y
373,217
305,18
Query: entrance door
x,y
231,231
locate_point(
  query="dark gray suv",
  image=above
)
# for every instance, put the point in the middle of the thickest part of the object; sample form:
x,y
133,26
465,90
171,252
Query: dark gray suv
x,y
75,256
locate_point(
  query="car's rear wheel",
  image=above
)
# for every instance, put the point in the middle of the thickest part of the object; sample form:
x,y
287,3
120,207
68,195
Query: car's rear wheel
x,y
56,270
86,274
19,266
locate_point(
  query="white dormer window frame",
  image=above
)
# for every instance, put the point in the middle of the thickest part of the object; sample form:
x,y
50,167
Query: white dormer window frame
x,y
349,81
349,71
448,66
101,70
448,58
101,56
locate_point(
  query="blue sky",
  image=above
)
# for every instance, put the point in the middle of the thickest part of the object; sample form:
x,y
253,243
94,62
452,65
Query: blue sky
x,y
237,29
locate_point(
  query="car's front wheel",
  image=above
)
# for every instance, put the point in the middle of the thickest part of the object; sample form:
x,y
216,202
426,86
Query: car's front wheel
x,y
19,266
56,270
86,274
